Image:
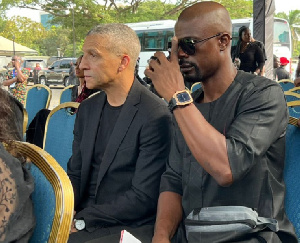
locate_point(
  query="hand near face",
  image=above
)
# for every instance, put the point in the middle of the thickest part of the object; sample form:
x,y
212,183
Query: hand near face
x,y
17,64
165,74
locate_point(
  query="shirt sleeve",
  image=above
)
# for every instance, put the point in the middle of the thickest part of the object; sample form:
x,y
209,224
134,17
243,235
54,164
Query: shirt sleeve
x,y
171,179
262,119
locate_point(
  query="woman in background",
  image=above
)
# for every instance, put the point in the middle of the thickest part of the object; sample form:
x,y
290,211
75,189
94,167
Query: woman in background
x,y
16,209
248,53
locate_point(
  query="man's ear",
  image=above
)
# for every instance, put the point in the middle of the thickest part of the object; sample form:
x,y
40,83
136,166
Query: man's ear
x,y
224,41
124,63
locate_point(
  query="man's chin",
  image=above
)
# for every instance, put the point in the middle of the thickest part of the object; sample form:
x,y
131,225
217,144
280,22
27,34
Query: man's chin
x,y
190,78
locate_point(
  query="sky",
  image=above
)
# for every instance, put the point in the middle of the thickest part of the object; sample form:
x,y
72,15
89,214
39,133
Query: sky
x,y
280,5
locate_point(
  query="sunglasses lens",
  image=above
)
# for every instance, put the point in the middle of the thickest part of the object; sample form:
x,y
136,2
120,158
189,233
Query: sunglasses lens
x,y
187,46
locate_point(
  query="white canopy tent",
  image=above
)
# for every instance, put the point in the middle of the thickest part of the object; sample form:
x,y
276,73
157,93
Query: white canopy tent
x,y
7,48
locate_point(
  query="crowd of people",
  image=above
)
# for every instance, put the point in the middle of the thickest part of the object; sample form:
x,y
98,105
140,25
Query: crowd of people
x,y
155,169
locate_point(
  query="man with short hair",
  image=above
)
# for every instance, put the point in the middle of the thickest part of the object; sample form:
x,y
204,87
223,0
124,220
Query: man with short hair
x,y
229,138
121,142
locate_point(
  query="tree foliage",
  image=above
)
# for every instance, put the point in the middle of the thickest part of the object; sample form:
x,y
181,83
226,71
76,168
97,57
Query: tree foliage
x,y
84,14
25,31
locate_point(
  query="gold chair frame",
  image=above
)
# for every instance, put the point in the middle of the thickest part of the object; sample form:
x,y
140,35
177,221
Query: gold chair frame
x,y
68,87
64,195
40,86
59,107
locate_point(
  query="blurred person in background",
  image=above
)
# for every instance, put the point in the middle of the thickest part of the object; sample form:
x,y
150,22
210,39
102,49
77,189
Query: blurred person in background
x,y
261,45
297,76
250,54
72,75
16,210
281,72
17,80
35,73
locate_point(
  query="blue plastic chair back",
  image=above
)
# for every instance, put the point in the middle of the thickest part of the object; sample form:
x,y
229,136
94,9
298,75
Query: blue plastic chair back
x,y
37,98
286,85
58,138
66,95
195,87
291,176
294,108
43,199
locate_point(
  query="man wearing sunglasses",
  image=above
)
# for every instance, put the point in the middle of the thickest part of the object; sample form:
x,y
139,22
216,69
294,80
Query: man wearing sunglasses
x,y
229,140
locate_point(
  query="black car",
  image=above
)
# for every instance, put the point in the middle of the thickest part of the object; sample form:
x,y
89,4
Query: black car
x,y
57,73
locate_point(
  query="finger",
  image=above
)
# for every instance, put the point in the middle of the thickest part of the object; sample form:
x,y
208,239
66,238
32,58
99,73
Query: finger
x,y
174,50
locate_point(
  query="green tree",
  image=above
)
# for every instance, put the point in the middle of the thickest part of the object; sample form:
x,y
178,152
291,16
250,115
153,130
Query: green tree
x,y
293,18
58,37
25,31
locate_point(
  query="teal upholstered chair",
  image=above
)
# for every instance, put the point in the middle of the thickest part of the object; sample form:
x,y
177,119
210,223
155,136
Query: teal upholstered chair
x,y
291,96
53,197
59,128
291,174
66,94
195,87
295,90
294,108
38,97
286,84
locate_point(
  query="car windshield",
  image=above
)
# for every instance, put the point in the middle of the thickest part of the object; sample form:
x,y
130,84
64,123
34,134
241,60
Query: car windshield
x,y
32,64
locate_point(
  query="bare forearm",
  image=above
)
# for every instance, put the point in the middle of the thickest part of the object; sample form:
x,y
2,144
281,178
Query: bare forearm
x,y
206,143
20,75
169,215
9,81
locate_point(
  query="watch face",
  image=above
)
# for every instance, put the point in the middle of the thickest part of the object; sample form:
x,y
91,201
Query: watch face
x,y
79,224
183,97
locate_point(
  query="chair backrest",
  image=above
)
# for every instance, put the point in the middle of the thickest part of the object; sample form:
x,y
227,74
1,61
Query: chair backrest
x,y
294,108
196,86
38,97
296,90
291,174
59,128
286,84
66,94
53,197
291,96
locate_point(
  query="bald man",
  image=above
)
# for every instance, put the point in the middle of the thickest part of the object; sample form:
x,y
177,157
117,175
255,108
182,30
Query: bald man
x,y
229,140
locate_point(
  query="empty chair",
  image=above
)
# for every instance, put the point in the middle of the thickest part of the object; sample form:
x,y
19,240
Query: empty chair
x,y
53,197
291,96
294,108
291,174
59,128
66,94
286,84
195,86
38,97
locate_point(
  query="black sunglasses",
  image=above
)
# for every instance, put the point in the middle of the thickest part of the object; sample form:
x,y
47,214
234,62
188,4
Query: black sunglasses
x,y
187,45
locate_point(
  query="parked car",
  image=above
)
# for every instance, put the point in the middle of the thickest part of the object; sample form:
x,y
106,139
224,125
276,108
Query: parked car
x,y
30,64
52,59
57,73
